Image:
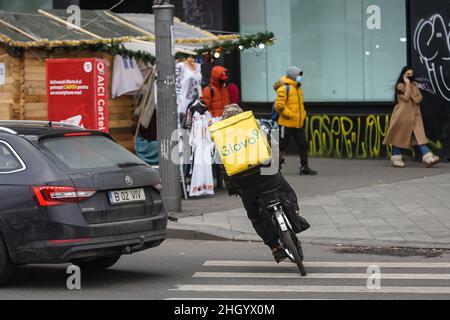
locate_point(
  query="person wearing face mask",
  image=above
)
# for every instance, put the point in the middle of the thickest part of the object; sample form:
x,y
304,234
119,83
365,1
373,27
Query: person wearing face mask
x,y
292,115
215,94
406,126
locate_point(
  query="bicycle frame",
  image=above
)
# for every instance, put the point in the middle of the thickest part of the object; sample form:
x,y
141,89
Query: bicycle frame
x,y
277,211
286,237
274,206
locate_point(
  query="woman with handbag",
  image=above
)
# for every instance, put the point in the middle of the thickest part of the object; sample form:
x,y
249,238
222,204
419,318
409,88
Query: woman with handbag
x,y
406,126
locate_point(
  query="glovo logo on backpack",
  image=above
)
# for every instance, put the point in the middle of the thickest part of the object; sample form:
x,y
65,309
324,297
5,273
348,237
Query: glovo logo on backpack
x,y
240,142
236,147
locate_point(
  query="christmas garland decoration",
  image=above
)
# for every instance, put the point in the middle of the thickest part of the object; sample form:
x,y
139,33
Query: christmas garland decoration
x,y
213,47
208,39
67,43
112,48
231,43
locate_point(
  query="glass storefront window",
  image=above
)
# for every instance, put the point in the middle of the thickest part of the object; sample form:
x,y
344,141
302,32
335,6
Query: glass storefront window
x,y
25,5
350,50
254,77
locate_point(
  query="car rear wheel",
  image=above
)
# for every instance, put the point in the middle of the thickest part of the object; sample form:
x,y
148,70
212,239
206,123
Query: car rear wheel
x,y
6,266
97,264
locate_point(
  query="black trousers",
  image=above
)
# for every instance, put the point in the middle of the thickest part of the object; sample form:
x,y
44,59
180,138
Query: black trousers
x,y
299,136
251,188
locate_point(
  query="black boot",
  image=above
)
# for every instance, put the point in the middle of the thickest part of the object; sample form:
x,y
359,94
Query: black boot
x,y
305,170
279,254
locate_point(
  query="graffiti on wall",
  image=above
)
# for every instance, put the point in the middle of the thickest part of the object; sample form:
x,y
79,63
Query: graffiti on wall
x,y
352,137
432,43
430,57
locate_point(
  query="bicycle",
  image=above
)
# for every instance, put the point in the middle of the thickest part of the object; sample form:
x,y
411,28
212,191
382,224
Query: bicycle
x,y
287,238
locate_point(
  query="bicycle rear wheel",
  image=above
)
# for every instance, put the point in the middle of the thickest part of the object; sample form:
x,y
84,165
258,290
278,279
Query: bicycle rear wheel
x,y
292,247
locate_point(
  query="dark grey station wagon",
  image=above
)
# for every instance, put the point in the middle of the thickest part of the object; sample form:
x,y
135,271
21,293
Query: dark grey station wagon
x,y
73,195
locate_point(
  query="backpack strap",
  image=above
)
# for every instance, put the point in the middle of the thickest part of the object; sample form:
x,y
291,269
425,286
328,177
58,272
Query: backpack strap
x,y
287,91
211,91
275,114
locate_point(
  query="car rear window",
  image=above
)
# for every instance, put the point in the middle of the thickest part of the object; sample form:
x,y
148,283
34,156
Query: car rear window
x,y
9,161
89,152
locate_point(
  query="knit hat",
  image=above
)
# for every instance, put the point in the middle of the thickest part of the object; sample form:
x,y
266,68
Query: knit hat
x,y
293,72
231,110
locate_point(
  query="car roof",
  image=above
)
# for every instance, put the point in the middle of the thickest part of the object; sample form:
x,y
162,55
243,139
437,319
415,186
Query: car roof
x,y
38,128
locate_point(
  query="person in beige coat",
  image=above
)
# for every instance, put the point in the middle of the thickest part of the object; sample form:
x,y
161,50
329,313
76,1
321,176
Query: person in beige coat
x,y
406,126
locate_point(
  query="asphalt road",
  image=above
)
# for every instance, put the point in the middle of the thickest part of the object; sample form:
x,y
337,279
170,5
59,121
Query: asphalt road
x,y
181,269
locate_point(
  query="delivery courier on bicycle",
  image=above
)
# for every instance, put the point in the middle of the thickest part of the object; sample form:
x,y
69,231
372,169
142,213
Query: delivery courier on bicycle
x,y
238,137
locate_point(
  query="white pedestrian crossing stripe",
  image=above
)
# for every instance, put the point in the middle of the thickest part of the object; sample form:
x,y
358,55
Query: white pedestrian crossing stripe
x,y
252,299
327,264
325,289
233,270
285,275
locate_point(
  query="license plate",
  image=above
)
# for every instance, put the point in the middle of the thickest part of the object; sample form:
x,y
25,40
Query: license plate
x,y
126,196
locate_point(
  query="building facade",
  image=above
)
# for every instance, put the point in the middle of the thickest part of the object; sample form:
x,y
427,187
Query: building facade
x,y
351,52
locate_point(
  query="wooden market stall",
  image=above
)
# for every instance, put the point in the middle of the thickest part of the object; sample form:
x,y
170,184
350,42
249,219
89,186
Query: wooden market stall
x,y
23,97
28,39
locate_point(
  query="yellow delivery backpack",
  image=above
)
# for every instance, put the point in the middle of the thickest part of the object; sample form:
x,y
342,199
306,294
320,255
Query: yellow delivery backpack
x,y
241,143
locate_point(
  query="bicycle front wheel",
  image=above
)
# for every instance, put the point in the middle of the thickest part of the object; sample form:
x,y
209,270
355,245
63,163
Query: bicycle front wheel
x,y
290,245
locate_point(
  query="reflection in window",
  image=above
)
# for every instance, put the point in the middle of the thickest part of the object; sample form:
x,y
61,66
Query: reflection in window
x,y
89,152
8,161
25,5
350,50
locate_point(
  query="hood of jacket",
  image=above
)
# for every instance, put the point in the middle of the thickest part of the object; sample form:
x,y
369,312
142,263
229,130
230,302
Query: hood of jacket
x,y
282,81
216,73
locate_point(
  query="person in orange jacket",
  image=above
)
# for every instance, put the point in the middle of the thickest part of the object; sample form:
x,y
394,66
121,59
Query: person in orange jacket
x,y
215,94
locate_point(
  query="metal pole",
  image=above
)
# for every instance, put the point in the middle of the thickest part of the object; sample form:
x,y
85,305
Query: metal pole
x,y
166,106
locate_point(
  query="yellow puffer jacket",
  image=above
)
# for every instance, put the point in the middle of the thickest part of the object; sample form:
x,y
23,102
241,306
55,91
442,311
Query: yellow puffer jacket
x,y
291,109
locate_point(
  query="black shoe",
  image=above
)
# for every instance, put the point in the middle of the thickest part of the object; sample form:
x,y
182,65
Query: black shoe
x,y
307,171
279,255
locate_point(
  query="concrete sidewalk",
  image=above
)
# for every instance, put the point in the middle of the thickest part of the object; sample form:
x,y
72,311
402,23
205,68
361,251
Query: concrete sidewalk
x,y
412,212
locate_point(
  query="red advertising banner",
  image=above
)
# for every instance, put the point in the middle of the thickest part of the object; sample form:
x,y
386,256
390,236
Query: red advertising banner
x,y
77,92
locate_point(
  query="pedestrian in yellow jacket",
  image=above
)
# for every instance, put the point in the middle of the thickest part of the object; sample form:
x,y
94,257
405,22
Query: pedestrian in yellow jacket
x,y
292,115
291,109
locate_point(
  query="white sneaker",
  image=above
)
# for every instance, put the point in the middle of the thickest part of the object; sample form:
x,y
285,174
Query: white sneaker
x,y
430,159
397,161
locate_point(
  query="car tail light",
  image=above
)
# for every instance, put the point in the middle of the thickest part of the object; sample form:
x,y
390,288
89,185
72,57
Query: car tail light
x,y
53,196
68,241
77,134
